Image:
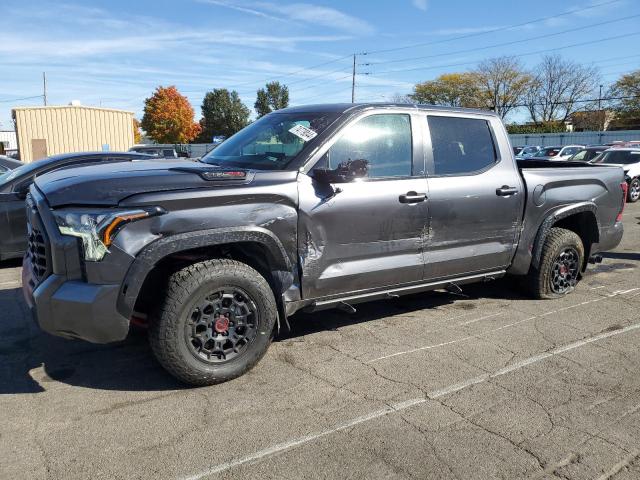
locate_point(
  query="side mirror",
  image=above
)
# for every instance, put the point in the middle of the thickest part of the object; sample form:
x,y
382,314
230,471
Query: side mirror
x,y
22,191
344,173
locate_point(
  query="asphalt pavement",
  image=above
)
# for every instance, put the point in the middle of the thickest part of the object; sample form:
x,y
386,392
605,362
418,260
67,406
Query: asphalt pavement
x,y
487,384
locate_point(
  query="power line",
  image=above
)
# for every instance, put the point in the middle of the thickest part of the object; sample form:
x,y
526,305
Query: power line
x,y
296,72
19,99
504,44
536,52
486,32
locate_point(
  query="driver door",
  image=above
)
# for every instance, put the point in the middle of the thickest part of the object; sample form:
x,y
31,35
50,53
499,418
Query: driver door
x,y
367,233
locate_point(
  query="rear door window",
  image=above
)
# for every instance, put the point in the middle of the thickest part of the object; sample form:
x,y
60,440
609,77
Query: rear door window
x,y
461,146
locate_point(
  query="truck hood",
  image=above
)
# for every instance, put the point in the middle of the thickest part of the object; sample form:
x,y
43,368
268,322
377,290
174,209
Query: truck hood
x,y
108,184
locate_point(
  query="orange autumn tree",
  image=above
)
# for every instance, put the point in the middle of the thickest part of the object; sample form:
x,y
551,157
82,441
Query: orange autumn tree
x,y
137,134
168,117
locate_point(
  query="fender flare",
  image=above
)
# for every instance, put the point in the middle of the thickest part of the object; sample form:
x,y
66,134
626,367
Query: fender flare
x,y
153,253
552,219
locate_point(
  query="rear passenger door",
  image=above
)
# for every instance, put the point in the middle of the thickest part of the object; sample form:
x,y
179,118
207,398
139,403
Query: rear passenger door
x,y
475,196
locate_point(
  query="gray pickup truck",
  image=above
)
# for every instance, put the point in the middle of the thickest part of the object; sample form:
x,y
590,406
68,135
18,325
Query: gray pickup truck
x,y
309,208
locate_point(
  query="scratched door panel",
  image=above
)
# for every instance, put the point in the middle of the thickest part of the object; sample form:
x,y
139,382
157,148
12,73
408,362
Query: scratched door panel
x,y
361,238
473,226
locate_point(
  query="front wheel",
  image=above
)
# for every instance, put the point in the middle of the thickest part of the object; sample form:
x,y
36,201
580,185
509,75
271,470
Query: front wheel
x,y
215,322
634,190
560,265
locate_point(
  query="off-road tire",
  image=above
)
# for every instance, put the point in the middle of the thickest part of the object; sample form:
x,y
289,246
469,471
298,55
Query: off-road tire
x,y
184,288
538,281
634,186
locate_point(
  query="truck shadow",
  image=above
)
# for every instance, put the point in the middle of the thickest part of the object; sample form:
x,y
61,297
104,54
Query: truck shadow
x,y
31,360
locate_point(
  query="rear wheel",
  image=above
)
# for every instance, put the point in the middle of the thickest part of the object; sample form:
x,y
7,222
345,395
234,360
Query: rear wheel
x,y
560,265
634,190
215,323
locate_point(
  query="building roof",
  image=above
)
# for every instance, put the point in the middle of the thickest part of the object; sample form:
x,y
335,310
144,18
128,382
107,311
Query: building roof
x,y
70,107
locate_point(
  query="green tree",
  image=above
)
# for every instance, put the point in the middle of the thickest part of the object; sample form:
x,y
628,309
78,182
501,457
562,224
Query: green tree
x,y
168,117
273,97
627,108
449,89
223,113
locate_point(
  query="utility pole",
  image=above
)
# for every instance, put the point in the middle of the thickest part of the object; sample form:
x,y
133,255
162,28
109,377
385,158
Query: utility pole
x,y
353,81
44,88
600,113
600,98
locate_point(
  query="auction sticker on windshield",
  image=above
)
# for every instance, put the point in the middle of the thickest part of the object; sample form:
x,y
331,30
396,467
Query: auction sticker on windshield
x,y
303,132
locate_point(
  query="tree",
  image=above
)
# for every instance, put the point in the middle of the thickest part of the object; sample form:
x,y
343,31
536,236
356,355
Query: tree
x,y
137,134
223,113
168,117
628,107
449,89
273,97
556,90
502,83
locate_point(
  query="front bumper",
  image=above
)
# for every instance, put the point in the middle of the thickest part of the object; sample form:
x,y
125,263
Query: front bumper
x,y
67,298
76,309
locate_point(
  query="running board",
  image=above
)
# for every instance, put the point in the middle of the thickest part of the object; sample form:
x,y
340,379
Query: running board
x,y
340,302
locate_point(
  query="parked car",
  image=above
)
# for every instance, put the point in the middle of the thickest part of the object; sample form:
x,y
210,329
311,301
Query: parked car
x,y
527,152
587,154
546,153
14,185
344,204
629,160
160,151
568,151
8,163
626,144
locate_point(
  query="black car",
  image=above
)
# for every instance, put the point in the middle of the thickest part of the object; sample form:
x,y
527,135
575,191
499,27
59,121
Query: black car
x,y
14,185
8,163
588,154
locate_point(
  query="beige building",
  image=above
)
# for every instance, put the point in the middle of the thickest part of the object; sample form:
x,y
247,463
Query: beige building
x,y
46,131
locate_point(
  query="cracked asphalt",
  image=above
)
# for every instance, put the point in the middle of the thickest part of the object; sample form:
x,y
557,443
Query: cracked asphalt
x,y
489,384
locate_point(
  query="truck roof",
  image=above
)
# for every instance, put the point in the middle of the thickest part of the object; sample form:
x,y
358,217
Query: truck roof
x,y
353,107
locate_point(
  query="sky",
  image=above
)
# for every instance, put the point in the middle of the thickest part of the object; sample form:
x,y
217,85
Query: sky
x,y
114,53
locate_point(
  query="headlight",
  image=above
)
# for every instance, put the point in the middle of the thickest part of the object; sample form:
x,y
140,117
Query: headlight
x,y
97,229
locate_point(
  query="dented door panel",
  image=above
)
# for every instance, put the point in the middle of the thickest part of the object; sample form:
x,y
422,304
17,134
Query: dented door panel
x,y
361,238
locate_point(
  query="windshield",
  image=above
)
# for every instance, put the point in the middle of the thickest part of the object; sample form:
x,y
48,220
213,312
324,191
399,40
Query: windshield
x,y
548,152
623,158
270,143
529,150
571,150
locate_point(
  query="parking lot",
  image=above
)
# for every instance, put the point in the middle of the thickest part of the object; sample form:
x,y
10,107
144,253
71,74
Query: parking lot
x,y
488,384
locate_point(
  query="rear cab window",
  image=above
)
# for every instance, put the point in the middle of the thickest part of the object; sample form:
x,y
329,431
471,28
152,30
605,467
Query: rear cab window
x,y
460,145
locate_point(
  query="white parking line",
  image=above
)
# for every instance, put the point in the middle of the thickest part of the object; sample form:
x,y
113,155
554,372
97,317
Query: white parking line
x,y
469,337
398,407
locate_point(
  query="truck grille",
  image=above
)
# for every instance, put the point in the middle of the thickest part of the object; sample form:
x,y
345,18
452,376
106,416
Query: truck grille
x,y
37,246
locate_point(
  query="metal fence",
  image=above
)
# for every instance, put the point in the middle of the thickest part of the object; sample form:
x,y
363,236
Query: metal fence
x,y
569,138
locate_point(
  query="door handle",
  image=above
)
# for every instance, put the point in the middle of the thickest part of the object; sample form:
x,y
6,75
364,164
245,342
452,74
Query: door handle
x,y
505,191
412,197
